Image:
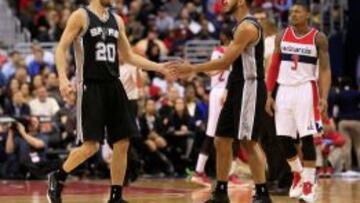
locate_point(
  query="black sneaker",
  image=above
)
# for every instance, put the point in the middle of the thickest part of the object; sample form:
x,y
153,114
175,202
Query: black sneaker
x,y
55,188
118,201
261,199
218,197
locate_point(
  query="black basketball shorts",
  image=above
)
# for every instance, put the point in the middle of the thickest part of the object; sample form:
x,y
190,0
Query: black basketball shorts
x,y
243,115
104,109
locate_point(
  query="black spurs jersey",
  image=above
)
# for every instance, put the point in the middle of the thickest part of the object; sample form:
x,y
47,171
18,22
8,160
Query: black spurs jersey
x,y
96,48
250,64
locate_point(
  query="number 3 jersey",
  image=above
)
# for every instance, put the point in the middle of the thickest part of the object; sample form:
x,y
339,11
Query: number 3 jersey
x,y
219,80
96,48
299,58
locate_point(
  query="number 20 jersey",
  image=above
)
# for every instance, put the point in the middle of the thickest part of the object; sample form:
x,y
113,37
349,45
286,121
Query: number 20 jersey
x,y
299,58
96,49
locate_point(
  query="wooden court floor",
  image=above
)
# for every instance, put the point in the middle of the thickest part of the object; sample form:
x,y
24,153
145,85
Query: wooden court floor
x,y
163,191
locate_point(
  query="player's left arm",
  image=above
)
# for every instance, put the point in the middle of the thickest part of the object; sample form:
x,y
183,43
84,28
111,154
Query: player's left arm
x,y
324,70
132,58
245,34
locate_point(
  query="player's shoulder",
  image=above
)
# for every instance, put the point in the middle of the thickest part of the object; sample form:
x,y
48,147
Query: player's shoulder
x,y
79,16
80,13
320,37
247,28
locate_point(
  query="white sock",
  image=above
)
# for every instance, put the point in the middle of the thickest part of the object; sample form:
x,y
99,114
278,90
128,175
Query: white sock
x,y
309,175
233,167
200,165
296,165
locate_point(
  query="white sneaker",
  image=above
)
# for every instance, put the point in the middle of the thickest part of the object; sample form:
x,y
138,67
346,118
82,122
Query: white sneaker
x,y
296,187
308,192
201,179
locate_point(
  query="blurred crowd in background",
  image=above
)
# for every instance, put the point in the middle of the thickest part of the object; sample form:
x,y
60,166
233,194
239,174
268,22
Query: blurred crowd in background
x,y
38,128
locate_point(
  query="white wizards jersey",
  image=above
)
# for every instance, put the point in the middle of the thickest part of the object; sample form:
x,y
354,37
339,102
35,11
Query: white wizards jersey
x,y
219,80
299,58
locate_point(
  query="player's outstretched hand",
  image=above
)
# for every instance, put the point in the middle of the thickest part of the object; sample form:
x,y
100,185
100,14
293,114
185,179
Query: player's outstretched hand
x,y
169,70
185,69
65,88
270,105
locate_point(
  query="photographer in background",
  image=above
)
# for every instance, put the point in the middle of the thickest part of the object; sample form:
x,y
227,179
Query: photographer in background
x,y
27,149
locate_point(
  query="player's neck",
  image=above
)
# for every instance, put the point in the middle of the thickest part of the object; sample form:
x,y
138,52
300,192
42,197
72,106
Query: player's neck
x,y
241,13
96,7
301,29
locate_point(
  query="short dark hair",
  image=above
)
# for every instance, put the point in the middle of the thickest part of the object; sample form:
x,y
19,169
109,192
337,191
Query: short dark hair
x,y
303,3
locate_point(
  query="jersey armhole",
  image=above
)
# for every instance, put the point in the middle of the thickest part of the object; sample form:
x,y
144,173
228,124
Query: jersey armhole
x,y
259,31
117,20
284,33
87,23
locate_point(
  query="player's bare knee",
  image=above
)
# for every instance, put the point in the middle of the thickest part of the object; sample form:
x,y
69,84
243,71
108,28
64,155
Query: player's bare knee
x,y
308,148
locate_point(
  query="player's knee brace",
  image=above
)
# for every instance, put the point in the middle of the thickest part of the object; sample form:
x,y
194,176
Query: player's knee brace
x,y
308,148
207,145
289,146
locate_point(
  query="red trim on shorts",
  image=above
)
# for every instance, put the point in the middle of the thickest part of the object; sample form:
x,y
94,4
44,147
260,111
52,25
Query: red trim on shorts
x,y
315,92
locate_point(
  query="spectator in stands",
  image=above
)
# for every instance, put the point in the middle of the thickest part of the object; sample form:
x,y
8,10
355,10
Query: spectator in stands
x,y
164,22
18,108
28,149
153,51
135,29
37,82
10,67
283,7
151,127
14,86
25,90
180,136
38,65
43,105
152,132
196,108
36,49
21,74
164,84
152,36
168,104
173,7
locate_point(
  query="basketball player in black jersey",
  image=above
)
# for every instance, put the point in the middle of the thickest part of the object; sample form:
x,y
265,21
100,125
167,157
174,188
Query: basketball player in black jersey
x,y
99,38
243,115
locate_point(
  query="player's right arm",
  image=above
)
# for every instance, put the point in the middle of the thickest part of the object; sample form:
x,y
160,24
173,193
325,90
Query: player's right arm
x,y
272,75
73,28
